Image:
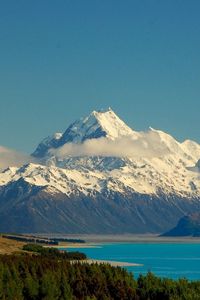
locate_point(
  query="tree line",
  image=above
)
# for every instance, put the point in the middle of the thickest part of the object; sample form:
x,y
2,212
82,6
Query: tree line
x,y
40,240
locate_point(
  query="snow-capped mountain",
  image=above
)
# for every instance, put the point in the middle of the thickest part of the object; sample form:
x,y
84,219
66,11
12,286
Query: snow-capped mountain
x,y
102,176
146,162
96,125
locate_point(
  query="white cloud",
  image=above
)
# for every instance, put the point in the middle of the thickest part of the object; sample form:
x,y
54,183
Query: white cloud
x,y
12,158
146,145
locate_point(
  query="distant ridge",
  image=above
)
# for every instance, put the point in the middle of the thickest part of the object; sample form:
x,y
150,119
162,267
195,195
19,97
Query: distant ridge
x,y
187,226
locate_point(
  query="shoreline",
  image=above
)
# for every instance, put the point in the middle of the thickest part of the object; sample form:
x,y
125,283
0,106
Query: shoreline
x,y
110,262
95,240
73,245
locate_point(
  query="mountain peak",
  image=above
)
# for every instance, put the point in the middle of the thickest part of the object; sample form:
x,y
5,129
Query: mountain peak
x,y
98,114
103,111
103,123
98,124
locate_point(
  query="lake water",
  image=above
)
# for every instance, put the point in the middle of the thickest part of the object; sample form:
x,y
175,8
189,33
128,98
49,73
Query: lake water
x,y
165,260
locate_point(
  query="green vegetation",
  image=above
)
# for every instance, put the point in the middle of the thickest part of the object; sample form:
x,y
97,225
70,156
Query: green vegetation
x,y
37,277
54,253
41,240
51,277
151,287
30,239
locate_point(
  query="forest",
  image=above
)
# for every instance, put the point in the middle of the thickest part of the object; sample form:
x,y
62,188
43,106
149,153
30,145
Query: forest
x,y
54,252
35,277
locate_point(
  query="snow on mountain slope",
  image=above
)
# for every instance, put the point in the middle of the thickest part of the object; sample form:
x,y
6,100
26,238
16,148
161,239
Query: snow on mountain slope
x,y
97,125
191,148
65,181
122,175
171,144
150,162
107,135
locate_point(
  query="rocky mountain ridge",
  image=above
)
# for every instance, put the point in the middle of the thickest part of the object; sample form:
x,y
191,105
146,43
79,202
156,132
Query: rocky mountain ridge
x,y
187,226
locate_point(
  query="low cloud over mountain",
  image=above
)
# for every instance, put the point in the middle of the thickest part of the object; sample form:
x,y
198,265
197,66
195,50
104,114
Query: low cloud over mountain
x,y
12,158
148,144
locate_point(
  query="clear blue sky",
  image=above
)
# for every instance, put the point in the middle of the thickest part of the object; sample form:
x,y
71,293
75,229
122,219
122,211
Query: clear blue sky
x,y
61,59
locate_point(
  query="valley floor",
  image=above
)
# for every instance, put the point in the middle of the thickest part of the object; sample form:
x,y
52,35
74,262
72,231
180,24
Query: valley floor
x,y
94,240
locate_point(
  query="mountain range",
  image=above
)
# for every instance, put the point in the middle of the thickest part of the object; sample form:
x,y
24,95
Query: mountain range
x,y
101,176
187,226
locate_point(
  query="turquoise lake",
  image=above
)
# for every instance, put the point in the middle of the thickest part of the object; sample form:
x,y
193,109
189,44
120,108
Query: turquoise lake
x,y
165,260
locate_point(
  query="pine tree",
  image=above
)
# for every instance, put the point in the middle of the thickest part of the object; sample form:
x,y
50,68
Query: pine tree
x,y
66,292
49,287
31,287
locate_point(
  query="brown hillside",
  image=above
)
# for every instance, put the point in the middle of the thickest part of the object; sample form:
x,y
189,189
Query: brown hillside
x,y
8,246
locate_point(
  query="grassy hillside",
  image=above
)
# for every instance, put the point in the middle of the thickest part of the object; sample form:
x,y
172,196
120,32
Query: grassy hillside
x,y
8,246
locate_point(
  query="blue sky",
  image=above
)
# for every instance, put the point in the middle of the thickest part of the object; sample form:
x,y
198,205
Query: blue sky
x,y
59,60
